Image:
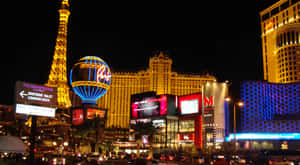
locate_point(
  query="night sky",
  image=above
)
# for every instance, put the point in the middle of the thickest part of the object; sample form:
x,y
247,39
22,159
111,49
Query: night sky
x,y
220,38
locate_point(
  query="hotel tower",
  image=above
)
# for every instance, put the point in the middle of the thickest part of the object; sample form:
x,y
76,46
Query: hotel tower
x,y
280,30
157,78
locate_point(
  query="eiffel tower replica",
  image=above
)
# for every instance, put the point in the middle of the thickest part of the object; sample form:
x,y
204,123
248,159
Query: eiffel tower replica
x,y
59,126
58,73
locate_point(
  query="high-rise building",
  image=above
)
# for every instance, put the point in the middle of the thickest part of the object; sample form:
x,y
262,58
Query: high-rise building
x,y
158,78
58,72
280,28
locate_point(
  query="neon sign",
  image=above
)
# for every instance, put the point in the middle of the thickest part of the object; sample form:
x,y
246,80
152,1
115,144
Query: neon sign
x,y
90,78
103,73
77,116
208,102
269,26
264,136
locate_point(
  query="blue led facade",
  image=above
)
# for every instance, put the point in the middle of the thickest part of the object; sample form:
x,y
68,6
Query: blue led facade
x,y
264,136
90,78
270,108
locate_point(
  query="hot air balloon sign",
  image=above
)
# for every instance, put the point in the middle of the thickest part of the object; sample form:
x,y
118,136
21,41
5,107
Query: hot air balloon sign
x,y
90,78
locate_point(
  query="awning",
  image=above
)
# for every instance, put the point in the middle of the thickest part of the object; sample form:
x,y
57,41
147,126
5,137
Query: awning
x,y
12,144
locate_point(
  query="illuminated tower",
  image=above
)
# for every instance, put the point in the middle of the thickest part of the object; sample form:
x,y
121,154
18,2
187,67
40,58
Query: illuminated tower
x,y
58,72
160,71
280,28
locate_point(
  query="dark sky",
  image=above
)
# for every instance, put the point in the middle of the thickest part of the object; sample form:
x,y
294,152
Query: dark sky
x,y
221,38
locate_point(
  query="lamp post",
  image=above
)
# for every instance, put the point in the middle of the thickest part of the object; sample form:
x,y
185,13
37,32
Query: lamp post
x,y
239,104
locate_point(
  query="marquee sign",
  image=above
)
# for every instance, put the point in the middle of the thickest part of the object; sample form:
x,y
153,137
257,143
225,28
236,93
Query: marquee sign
x,y
33,94
186,137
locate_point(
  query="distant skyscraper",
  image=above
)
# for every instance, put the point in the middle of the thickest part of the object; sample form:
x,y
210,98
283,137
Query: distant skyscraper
x,y
280,27
158,78
58,73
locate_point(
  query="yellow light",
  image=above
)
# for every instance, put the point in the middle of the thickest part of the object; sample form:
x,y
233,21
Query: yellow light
x,y
66,143
240,104
228,99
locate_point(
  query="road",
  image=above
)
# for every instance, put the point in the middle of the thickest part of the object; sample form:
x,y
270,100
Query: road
x,y
124,162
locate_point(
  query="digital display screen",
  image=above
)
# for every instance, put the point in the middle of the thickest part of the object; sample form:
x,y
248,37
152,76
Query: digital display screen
x,y
190,104
35,110
148,104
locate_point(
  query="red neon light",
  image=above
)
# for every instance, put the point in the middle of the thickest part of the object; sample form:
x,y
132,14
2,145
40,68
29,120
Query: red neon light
x,y
163,105
208,102
269,26
77,117
103,73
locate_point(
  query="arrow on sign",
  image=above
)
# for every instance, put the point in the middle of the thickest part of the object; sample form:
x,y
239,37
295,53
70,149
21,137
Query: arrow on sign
x,y
22,94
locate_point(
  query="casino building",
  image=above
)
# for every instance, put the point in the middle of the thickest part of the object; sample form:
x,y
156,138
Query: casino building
x,y
158,78
185,122
280,31
270,118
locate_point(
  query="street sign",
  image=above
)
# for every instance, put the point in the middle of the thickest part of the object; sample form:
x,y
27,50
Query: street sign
x,y
33,94
35,100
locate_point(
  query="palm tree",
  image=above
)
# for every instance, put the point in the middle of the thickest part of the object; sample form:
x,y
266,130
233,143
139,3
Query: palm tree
x,y
92,129
140,129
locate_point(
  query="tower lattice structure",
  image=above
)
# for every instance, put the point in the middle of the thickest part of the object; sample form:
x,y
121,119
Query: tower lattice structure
x,y
58,73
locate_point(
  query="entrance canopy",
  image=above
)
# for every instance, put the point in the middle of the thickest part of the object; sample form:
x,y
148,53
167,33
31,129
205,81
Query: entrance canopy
x,y
12,144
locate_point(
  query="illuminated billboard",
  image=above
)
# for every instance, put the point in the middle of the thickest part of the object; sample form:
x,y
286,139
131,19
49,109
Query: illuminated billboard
x,y
190,104
149,104
79,115
34,94
264,136
35,100
186,137
92,113
35,110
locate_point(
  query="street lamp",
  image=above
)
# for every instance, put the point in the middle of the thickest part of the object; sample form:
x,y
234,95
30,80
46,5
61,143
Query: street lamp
x,y
239,104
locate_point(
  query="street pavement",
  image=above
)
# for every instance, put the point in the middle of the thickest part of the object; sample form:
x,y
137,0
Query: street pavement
x,y
124,162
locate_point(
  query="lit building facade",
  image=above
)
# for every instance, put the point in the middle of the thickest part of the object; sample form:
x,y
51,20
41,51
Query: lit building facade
x,y
158,78
280,31
270,117
185,122
270,107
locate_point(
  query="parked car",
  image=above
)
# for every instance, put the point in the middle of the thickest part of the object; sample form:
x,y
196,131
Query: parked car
x,y
281,162
219,160
95,157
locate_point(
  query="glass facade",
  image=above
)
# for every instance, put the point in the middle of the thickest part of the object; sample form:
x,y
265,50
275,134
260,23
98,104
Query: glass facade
x,y
186,126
